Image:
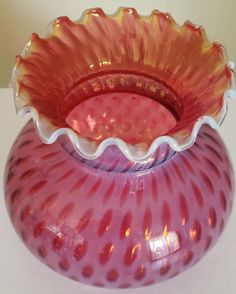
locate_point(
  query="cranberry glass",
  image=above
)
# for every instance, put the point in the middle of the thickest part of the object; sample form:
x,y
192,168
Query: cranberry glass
x,y
120,179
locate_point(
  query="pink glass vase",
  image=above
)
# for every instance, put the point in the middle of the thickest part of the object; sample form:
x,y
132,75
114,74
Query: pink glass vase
x,y
120,179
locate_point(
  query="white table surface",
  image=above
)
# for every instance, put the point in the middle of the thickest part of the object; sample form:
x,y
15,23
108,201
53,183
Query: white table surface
x,y
21,273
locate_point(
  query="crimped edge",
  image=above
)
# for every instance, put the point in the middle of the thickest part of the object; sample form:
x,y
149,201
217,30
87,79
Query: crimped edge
x,y
89,150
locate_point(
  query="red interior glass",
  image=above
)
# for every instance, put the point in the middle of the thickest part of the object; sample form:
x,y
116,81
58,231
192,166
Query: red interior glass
x,y
134,118
126,76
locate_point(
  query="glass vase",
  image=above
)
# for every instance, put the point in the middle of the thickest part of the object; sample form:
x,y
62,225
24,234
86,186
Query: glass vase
x,y
120,178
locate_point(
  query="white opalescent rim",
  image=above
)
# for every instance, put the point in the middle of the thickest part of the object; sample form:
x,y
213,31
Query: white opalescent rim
x,y
90,150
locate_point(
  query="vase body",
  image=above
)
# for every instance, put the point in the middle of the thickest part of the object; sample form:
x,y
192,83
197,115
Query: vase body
x,y
116,223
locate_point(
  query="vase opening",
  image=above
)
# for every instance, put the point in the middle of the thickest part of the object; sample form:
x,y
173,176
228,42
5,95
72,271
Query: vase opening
x,y
132,107
126,80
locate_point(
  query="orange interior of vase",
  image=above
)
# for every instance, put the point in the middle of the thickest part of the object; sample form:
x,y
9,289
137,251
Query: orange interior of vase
x,y
124,76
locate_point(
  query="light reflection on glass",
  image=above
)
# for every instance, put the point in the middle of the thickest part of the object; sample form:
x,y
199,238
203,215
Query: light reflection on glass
x,y
127,232
147,234
105,62
192,234
163,245
111,248
135,249
91,122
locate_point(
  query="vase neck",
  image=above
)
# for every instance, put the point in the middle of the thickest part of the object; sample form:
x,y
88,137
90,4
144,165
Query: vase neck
x,y
113,160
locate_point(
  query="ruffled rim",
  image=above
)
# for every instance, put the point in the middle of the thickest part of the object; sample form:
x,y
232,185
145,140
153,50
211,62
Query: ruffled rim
x,y
90,150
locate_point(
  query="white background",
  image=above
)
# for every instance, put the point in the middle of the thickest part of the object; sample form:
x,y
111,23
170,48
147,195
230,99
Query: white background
x,y
21,273
19,18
